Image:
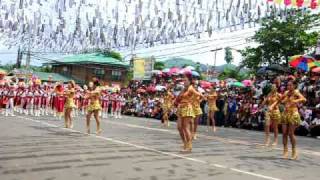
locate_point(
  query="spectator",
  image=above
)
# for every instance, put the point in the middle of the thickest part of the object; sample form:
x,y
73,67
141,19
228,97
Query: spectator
x,y
315,126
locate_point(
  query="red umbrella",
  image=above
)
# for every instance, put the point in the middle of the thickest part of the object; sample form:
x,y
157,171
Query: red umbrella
x,y
174,70
316,70
205,84
185,71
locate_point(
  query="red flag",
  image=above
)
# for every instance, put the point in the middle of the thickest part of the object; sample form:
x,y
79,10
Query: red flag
x,y
300,3
287,2
313,4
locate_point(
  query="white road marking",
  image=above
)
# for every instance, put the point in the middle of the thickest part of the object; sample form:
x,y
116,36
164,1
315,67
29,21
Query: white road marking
x,y
225,140
154,150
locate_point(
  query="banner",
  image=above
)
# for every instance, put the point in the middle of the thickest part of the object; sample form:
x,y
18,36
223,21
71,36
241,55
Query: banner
x,y
138,69
142,68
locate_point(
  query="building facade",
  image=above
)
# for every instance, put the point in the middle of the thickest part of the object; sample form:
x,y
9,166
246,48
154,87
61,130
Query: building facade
x,y
83,68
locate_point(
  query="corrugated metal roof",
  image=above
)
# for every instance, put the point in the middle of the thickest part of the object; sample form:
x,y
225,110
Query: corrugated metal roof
x,y
43,76
93,58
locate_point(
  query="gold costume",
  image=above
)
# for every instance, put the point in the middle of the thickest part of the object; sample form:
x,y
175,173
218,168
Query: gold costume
x,y
196,105
95,104
291,114
273,113
70,100
212,102
185,108
167,104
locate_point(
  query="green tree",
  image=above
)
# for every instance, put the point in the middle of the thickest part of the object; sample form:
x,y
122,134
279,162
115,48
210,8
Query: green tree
x,y
228,55
280,39
106,52
158,65
232,73
129,77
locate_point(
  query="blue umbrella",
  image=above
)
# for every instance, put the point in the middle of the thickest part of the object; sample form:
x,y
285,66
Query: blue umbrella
x,y
195,73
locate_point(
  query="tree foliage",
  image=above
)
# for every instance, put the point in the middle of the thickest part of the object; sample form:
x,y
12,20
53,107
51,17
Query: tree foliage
x,y
232,73
158,65
278,39
228,55
106,52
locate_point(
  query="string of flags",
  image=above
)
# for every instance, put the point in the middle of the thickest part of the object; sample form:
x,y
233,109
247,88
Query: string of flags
x,y
77,25
313,4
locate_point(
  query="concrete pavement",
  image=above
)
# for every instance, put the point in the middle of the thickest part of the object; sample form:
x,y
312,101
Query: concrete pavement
x,y
138,148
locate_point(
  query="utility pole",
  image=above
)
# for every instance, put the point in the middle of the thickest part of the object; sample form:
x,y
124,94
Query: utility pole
x,y
28,59
215,58
19,58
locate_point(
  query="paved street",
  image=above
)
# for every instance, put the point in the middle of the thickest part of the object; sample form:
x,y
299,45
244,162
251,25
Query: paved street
x,y
132,148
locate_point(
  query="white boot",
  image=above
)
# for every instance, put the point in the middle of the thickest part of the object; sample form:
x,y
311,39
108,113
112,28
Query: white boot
x,y
7,112
119,115
12,112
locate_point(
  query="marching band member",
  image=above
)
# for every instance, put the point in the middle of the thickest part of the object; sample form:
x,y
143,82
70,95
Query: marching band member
x,y
197,112
69,104
10,95
167,106
37,94
59,100
114,104
212,100
77,99
291,118
85,100
120,103
45,99
272,116
185,112
19,97
94,107
105,104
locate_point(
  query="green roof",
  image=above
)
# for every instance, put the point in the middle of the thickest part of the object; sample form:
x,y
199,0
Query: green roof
x,y
93,58
54,76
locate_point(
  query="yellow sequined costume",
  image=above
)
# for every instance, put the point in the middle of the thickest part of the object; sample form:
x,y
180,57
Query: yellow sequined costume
x,y
196,105
185,99
291,114
70,100
167,104
95,104
212,102
273,113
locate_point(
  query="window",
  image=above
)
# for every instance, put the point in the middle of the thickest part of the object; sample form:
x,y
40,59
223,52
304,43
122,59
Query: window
x,y
65,71
99,73
116,75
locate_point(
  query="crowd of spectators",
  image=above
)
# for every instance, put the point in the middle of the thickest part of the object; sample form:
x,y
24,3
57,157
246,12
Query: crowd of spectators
x,y
239,107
